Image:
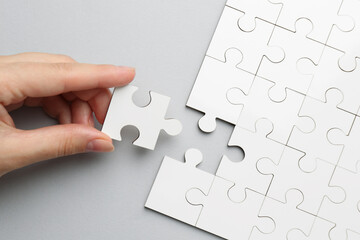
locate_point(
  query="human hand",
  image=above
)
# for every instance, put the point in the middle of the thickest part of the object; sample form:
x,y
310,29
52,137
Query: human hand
x,y
66,90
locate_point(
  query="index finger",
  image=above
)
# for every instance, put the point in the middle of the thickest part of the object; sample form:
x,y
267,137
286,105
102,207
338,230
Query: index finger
x,y
23,80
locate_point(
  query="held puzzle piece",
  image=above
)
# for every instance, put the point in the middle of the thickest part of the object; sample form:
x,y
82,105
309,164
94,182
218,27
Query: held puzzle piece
x,y
288,80
149,120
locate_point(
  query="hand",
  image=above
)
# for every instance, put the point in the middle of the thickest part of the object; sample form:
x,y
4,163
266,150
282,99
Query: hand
x,y
66,90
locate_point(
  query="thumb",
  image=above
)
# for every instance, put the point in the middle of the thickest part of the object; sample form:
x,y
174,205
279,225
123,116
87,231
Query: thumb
x,y
19,148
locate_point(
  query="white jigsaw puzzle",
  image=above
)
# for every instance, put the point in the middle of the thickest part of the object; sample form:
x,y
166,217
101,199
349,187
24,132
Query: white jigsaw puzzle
x,y
286,74
149,120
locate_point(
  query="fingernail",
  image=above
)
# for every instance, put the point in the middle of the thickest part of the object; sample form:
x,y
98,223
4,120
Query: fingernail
x,y
99,145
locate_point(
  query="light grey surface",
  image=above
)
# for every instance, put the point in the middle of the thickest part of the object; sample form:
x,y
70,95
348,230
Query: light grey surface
x,y
102,196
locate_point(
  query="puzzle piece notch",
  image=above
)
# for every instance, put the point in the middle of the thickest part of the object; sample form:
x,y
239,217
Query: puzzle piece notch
x,y
149,120
314,185
345,214
244,174
326,115
262,9
257,104
173,180
285,74
227,219
209,92
253,45
322,22
286,216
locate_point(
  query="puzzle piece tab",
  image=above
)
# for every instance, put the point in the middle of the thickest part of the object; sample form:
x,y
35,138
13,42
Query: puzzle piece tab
x,y
148,120
215,78
225,218
173,180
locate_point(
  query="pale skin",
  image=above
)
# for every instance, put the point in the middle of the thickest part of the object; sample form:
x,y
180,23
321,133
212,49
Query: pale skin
x,y
69,91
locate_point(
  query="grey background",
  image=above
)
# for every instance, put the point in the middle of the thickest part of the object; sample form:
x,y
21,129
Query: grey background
x,y
102,196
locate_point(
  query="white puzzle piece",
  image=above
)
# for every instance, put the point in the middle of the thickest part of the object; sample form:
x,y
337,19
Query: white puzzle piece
x,y
348,41
296,46
350,155
245,174
212,83
149,120
227,219
257,104
322,13
263,9
253,45
345,215
326,115
286,216
173,180
287,175
319,231
328,75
